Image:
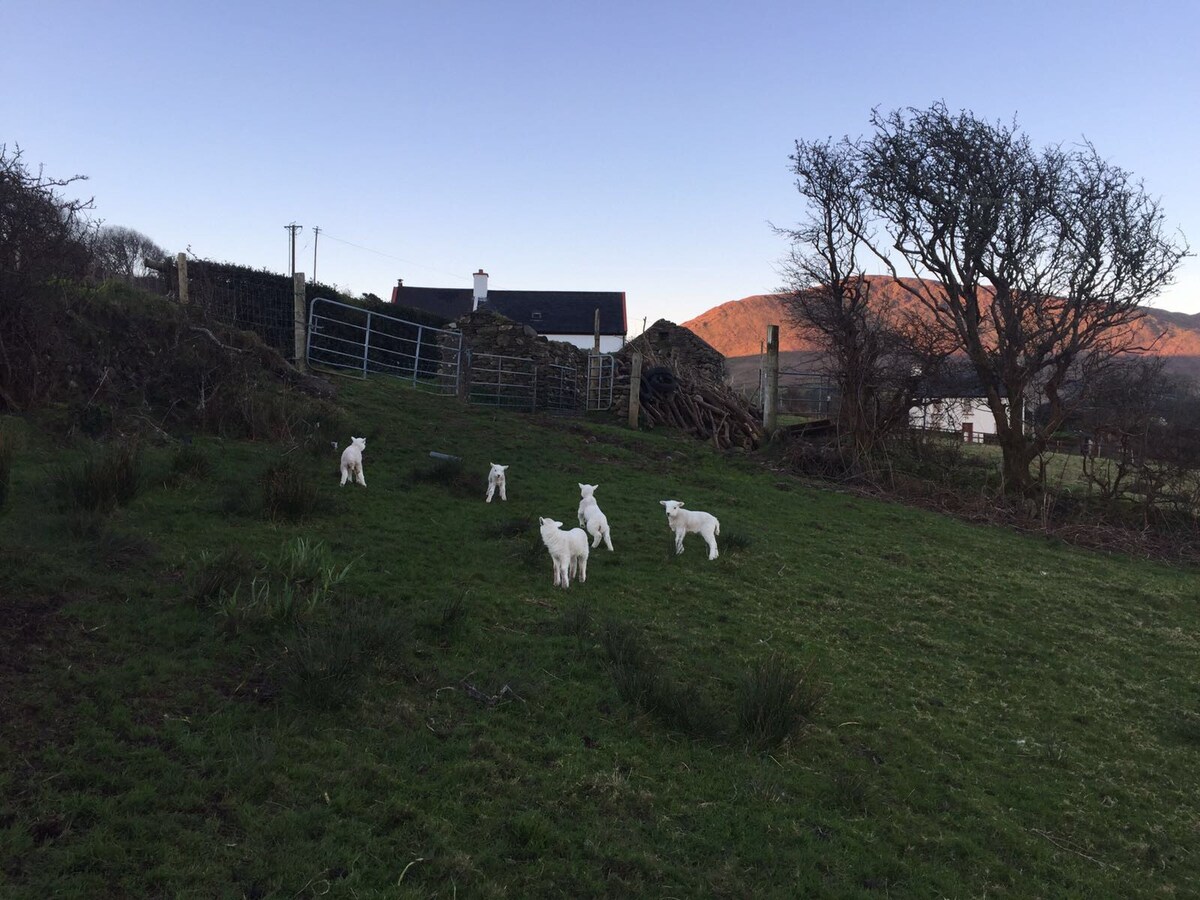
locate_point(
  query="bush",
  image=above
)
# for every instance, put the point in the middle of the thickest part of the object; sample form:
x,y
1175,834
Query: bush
x,y
774,700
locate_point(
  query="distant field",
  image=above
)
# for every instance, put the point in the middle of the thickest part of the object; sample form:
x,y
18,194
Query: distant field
x,y
193,704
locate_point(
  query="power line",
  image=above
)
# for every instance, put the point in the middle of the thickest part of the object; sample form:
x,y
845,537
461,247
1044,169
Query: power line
x,y
391,256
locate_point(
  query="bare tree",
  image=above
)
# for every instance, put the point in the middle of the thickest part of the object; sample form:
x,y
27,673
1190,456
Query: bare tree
x,y
875,355
43,238
122,252
1035,263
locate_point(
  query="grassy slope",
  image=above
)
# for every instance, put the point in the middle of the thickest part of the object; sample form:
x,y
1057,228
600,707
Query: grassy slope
x,y
1004,716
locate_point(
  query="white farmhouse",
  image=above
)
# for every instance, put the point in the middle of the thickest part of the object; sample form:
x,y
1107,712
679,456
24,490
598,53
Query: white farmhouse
x,y
568,316
958,404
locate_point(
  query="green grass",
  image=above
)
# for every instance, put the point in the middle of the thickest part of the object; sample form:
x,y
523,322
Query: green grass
x,y
998,715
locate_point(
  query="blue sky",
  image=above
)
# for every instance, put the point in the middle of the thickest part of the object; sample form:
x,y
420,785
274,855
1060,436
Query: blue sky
x,y
638,147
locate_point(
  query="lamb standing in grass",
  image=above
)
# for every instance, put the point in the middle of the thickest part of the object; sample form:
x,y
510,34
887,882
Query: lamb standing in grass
x,y
496,480
568,551
591,518
682,521
352,469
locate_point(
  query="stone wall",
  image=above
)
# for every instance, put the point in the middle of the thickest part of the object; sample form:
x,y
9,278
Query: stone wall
x,y
488,332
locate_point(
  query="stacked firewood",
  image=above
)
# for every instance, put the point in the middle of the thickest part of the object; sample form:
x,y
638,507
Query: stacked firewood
x,y
708,410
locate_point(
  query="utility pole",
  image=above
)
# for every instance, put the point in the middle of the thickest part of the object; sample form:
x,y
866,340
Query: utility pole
x,y
293,228
316,234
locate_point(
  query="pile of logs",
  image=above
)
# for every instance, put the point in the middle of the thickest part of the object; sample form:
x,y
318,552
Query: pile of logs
x,y
708,410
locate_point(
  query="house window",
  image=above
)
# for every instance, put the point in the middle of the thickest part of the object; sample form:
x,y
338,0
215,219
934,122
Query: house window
x,y
535,316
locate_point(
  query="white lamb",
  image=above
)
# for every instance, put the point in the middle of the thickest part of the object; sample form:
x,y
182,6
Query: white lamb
x,y
568,551
352,469
591,517
682,521
496,480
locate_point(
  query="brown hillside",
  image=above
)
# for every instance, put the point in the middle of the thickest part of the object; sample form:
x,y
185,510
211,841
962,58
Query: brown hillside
x,y
739,328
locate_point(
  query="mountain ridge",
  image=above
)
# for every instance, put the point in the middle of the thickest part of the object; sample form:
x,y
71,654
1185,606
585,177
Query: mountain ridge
x,y
738,328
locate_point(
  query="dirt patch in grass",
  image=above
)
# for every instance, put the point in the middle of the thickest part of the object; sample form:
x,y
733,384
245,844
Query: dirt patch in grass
x,y
31,630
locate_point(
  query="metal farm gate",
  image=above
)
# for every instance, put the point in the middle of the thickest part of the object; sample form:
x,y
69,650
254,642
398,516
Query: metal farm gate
x,y
517,382
342,336
508,382
601,373
803,393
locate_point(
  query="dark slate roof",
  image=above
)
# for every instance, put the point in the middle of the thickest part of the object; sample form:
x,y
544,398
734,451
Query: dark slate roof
x,y
448,302
956,381
547,312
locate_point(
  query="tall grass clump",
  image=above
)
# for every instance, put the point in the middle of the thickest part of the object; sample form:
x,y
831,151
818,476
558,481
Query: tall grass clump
x,y
7,452
639,678
450,475
219,574
288,492
775,700
325,663
101,482
190,462
291,586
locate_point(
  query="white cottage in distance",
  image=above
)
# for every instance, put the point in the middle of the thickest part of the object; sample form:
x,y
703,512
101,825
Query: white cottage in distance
x,y
956,402
568,316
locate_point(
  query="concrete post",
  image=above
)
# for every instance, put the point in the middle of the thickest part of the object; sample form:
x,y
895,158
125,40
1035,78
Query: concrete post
x,y
771,390
181,270
300,323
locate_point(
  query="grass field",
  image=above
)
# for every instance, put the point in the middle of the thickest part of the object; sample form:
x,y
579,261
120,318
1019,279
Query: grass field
x,y
196,703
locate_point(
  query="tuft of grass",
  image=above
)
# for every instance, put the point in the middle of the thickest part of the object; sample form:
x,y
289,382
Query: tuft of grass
x,y
639,678
734,542
288,492
324,667
576,620
220,573
8,451
506,529
101,482
775,700
450,616
325,663
450,475
291,586
1187,726
122,550
190,463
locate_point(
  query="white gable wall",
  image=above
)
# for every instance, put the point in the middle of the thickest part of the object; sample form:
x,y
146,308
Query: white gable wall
x,y
951,413
609,343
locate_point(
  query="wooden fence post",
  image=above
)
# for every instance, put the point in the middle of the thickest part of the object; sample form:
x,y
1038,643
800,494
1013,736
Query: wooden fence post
x,y
771,389
300,322
635,389
181,270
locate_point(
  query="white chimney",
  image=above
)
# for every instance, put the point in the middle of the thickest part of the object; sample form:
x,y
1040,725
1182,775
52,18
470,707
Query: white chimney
x,y
480,289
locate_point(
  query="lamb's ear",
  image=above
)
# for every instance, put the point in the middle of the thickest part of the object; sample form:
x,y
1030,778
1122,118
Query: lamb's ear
x,y
541,521
581,486
664,502
493,465
504,468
